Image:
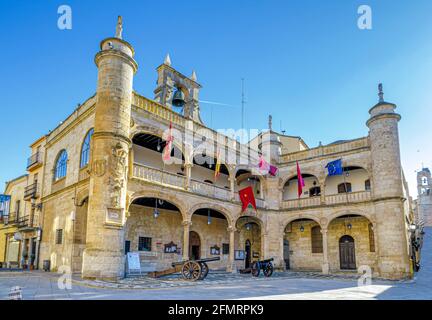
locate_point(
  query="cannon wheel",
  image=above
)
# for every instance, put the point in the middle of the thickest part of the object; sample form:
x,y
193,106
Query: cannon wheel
x,y
256,269
204,270
268,269
191,270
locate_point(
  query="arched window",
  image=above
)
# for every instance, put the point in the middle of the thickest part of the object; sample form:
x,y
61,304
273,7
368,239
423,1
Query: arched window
x,y
424,181
85,149
61,166
344,187
317,240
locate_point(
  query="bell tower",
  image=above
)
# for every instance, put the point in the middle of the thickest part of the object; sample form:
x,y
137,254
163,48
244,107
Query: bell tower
x,y
391,228
103,257
175,90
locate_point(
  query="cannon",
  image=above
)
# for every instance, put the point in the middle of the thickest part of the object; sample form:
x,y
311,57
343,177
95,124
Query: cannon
x,y
265,265
191,270
195,269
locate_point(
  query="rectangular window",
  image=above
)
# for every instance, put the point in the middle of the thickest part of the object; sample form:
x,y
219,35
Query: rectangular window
x,y
225,248
371,238
59,236
317,240
144,244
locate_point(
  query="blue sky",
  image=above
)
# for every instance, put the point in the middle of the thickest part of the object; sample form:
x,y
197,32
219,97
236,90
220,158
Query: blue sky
x,y
305,62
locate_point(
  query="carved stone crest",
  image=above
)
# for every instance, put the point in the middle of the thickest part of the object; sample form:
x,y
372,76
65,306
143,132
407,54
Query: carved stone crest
x,y
99,167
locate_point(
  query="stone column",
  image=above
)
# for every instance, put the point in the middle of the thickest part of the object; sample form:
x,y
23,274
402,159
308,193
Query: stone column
x,y
186,229
325,264
322,197
232,181
188,169
231,261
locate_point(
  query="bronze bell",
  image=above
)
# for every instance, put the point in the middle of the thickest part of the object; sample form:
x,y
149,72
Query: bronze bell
x,y
178,98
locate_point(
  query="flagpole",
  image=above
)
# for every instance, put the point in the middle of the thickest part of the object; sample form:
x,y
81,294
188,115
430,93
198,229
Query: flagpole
x,y
345,185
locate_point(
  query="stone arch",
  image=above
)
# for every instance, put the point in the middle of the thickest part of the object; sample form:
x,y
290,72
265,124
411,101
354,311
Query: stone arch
x,y
255,219
293,174
167,196
81,196
213,206
343,213
300,216
158,132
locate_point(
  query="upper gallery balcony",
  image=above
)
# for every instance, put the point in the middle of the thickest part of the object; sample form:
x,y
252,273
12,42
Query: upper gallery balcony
x,y
31,191
351,187
35,161
197,177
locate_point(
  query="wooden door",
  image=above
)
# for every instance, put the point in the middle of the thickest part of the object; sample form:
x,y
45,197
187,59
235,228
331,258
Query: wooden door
x,y
347,253
286,254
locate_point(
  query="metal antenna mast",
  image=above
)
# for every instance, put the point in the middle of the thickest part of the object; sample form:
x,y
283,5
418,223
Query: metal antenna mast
x,y
242,107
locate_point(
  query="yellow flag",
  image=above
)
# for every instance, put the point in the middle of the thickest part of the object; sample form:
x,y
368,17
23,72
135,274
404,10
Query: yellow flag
x,y
218,164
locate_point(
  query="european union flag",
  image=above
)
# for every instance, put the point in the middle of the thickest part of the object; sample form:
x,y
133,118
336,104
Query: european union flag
x,y
335,168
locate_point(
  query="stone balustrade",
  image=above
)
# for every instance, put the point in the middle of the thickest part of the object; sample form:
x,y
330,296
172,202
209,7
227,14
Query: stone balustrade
x,y
158,176
301,203
350,197
210,190
326,150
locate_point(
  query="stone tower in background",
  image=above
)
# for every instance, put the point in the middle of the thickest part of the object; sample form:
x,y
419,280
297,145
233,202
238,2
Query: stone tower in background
x,y
103,257
390,227
424,200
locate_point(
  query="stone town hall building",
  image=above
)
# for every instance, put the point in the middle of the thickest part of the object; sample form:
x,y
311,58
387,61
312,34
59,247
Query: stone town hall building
x,y
97,187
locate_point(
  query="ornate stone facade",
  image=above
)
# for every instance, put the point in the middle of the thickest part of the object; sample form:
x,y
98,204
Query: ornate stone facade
x,y
127,199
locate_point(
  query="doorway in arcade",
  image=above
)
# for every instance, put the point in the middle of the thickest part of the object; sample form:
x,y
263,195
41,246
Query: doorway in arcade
x,y
249,241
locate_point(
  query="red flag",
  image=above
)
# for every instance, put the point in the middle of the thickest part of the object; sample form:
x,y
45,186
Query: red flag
x,y
167,151
300,181
247,197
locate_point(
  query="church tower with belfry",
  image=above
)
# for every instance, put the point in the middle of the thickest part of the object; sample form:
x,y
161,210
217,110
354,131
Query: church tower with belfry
x,y
388,194
103,257
177,91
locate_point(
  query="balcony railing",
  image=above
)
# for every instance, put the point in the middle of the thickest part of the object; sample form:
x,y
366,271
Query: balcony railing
x,y
159,177
34,160
356,144
350,197
31,191
210,190
301,203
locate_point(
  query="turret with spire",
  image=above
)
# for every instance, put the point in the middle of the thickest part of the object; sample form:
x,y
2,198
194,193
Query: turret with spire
x,y
387,192
110,148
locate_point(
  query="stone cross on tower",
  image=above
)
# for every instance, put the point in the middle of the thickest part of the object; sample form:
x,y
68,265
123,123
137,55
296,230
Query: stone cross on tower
x,y
270,118
380,92
119,27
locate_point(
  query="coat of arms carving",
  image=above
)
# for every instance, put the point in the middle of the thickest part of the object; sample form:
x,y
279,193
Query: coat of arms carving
x,y
99,167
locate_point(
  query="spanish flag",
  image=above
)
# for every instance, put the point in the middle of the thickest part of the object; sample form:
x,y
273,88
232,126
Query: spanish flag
x,y
218,165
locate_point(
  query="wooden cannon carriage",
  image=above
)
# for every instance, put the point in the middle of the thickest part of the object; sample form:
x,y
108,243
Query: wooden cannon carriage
x,y
265,265
192,270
